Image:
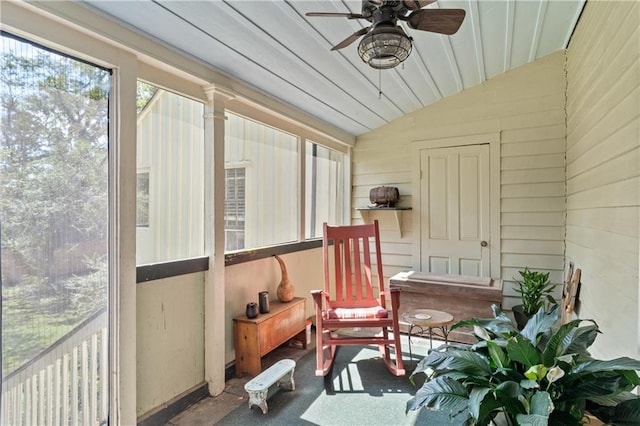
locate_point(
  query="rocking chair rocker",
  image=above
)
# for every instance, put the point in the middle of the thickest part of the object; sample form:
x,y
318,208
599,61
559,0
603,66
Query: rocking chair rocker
x,y
352,302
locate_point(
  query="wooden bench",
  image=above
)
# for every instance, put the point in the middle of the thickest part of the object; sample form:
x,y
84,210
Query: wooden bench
x,y
258,387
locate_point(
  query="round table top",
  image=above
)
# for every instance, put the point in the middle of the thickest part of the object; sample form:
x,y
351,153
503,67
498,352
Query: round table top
x,y
428,318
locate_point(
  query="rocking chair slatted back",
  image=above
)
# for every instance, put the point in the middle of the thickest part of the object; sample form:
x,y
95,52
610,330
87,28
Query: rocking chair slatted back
x,y
352,269
358,303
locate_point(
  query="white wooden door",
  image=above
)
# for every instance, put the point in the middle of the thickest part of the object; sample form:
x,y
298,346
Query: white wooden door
x,y
454,210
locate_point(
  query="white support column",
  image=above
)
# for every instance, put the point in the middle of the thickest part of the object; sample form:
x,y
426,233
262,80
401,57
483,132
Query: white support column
x,y
214,294
122,254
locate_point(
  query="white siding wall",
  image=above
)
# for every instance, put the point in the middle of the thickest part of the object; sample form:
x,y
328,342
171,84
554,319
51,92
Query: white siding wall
x,y
271,160
526,106
603,170
171,148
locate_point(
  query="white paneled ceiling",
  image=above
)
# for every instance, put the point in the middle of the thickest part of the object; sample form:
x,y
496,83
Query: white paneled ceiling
x,y
272,46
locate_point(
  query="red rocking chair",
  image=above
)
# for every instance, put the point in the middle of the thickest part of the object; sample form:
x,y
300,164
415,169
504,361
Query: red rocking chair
x,y
355,301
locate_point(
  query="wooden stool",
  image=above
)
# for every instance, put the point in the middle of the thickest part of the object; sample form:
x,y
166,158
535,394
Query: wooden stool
x,y
258,387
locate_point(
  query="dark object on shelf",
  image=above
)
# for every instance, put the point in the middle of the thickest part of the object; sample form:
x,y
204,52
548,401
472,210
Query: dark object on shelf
x,y
384,196
263,301
252,310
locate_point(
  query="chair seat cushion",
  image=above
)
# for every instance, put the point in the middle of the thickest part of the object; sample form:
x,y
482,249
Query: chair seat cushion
x,y
356,313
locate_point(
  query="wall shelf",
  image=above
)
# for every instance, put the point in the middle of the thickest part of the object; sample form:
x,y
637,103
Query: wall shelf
x,y
397,212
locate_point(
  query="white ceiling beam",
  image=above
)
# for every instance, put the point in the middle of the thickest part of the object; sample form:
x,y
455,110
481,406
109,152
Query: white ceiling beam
x,y
477,39
535,39
508,36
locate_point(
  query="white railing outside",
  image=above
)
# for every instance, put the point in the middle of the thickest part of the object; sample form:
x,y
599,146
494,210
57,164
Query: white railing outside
x,y
65,385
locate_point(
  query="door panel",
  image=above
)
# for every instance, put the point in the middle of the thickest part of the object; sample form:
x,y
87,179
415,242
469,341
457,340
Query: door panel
x,y
454,194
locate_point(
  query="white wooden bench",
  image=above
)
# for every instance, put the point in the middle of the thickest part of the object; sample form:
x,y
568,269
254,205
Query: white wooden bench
x,y
280,373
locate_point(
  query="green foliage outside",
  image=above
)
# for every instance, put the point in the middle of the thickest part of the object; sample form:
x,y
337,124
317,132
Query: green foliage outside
x,y
53,196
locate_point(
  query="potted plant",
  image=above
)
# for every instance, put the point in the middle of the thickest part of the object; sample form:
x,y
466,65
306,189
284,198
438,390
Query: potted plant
x,y
537,376
535,291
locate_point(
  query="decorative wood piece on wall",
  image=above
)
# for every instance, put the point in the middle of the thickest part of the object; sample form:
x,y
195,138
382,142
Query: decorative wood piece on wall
x,y
286,290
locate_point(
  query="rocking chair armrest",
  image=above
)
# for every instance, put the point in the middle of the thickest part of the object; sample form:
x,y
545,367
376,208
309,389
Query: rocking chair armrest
x,y
395,298
317,297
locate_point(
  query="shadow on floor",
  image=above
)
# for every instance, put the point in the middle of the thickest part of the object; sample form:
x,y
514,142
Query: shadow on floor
x,y
359,390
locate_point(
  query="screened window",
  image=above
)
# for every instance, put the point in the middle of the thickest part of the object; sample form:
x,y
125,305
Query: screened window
x,y
271,189
170,161
142,199
54,211
324,180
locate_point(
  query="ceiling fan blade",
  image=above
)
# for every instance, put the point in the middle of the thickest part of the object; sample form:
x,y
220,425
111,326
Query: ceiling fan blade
x,y
417,4
443,21
337,15
353,37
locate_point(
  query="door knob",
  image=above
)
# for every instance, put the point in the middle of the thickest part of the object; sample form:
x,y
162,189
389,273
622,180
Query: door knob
x,y
483,243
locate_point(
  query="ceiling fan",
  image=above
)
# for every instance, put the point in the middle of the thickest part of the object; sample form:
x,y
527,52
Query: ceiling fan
x,y
385,44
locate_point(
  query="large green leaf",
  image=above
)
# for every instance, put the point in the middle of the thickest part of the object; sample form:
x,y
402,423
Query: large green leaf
x,y
625,413
498,356
532,420
552,349
476,396
441,393
579,339
540,323
613,400
470,363
499,327
541,404
623,363
592,385
522,351
541,408
508,389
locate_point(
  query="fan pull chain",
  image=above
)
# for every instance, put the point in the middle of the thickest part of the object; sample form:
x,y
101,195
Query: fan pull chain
x,y
379,84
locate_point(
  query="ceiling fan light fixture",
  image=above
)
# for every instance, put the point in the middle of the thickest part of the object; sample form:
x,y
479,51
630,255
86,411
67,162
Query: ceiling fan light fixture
x,y
386,46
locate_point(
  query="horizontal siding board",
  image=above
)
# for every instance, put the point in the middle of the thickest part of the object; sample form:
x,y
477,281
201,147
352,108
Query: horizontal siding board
x,y
541,175
533,247
533,219
625,193
554,146
542,161
554,132
618,169
594,128
379,179
619,220
622,247
547,117
609,270
533,190
539,204
363,191
537,261
524,232
620,142
611,121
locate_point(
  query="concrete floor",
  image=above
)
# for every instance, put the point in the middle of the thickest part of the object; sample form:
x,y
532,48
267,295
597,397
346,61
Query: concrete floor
x,y
211,410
